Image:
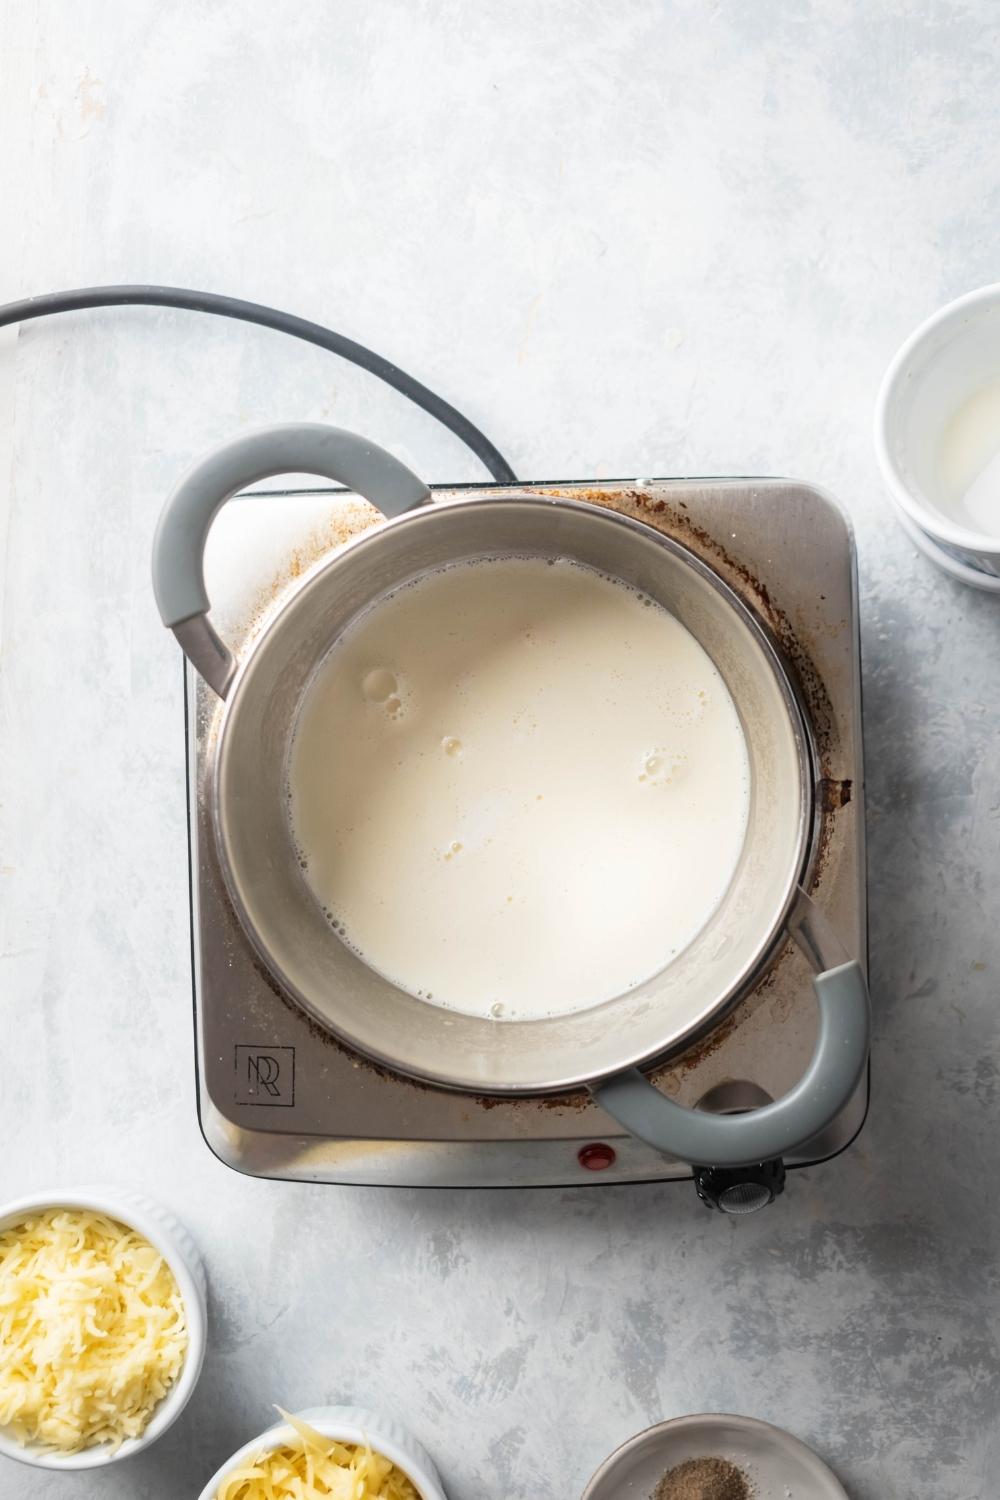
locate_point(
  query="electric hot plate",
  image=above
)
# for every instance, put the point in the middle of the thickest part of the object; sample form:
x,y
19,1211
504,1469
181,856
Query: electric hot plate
x,y
280,1097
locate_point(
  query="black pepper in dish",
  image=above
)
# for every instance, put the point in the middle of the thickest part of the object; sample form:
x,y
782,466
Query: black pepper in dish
x,y
703,1479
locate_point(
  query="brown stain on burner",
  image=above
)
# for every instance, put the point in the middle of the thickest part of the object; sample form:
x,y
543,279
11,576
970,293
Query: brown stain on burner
x,y
577,1099
834,794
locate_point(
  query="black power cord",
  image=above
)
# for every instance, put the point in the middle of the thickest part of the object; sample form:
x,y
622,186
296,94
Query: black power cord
x,y
282,322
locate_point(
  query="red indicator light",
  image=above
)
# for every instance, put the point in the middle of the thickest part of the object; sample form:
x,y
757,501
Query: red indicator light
x,y
596,1157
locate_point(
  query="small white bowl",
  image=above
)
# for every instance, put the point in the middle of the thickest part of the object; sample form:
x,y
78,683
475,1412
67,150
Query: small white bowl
x,y
346,1424
950,359
174,1243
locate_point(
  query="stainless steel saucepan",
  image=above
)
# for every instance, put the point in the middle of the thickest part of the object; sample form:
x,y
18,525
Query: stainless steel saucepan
x,y
602,1048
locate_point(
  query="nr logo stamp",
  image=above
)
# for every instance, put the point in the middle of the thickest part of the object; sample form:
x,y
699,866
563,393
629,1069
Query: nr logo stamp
x,y
265,1075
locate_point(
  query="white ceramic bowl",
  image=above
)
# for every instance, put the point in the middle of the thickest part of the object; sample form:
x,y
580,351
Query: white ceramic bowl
x,y
174,1243
348,1424
951,358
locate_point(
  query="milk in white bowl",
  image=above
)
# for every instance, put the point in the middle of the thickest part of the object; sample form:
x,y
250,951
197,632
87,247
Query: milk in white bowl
x,y
518,787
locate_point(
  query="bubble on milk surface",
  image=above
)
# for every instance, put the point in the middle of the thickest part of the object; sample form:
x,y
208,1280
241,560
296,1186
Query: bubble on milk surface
x,y
382,689
378,685
659,767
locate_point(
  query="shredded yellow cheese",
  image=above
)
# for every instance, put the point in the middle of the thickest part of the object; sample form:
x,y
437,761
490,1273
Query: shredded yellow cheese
x,y
316,1468
93,1331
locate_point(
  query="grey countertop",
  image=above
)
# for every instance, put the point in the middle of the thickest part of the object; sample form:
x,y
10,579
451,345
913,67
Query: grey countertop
x,y
628,239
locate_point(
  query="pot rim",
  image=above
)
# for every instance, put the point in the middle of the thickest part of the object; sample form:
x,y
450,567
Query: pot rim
x,y
798,873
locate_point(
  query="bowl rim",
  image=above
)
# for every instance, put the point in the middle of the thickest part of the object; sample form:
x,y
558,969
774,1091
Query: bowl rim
x,y
694,1420
159,1226
928,520
346,1424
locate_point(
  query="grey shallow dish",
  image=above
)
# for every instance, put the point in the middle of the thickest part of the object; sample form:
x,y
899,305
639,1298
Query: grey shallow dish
x,y
777,1465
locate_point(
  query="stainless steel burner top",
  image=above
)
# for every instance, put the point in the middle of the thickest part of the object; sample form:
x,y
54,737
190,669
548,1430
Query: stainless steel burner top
x,y
278,1097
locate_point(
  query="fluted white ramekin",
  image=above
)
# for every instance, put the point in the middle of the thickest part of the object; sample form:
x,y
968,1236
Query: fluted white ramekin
x,y
167,1235
346,1424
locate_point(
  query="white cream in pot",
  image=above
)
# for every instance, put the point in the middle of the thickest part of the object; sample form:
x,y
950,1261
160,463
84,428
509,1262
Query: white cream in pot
x,y
518,788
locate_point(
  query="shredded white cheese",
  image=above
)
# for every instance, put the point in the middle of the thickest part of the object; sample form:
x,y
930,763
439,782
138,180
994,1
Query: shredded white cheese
x,y
93,1331
316,1468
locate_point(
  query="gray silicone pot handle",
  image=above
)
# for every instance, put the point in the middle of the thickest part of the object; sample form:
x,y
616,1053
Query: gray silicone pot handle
x,y
298,448
774,1130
